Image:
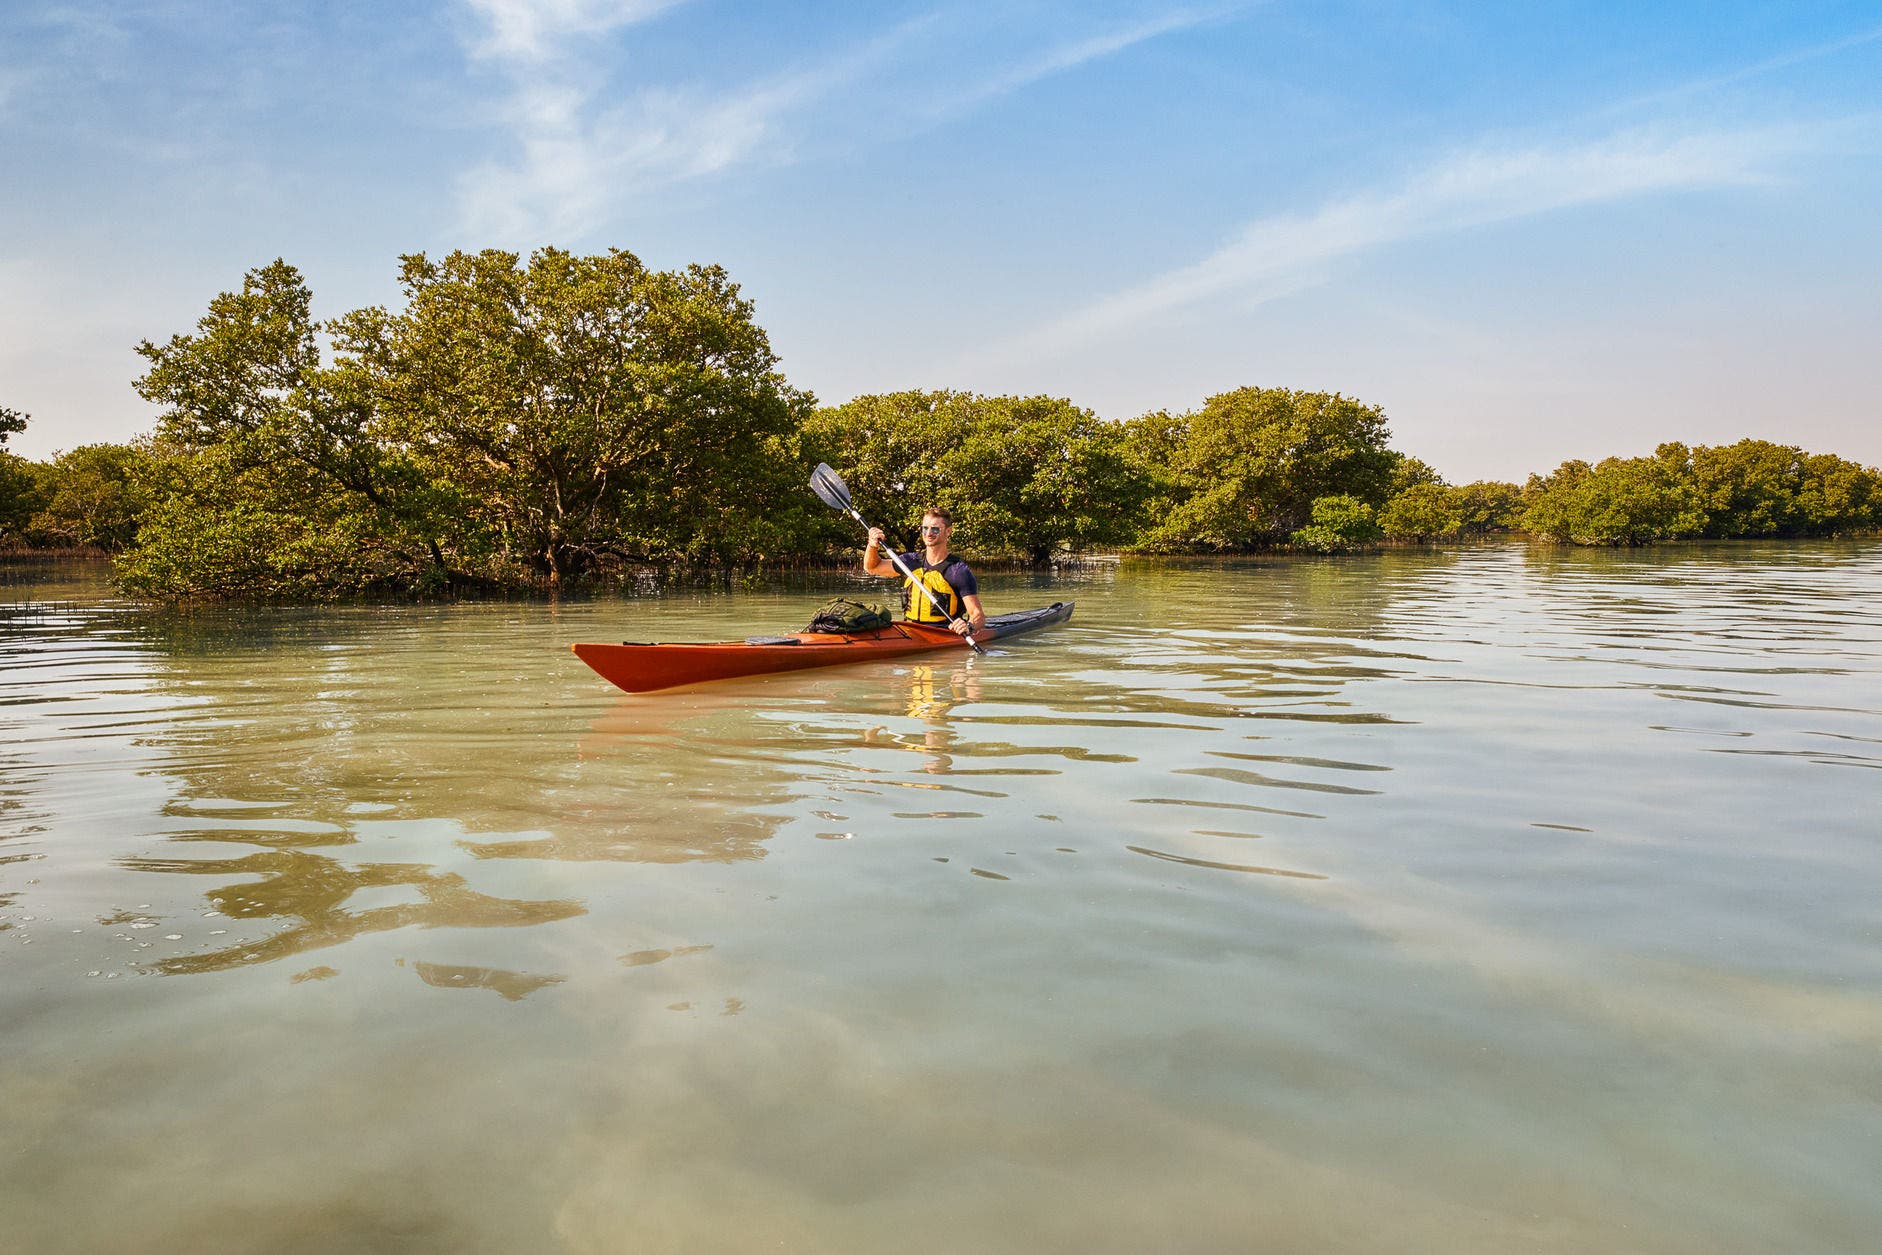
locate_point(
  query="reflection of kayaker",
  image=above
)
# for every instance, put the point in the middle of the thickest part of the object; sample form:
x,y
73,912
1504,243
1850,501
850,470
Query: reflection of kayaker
x,y
949,593
929,700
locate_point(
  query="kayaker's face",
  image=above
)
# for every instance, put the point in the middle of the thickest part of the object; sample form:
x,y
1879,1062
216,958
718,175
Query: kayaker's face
x,y
934,532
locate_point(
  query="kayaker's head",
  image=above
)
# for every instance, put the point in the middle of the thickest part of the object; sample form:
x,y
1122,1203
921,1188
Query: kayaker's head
x,y
936,526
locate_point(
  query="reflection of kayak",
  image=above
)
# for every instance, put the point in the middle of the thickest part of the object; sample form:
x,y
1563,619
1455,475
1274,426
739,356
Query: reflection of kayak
x,y
639,668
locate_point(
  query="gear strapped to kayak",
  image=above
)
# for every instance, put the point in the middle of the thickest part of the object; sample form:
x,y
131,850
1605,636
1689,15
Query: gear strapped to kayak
x,y
840,614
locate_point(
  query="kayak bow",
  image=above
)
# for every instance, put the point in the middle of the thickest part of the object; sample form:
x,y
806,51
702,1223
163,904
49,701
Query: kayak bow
x,y
641,668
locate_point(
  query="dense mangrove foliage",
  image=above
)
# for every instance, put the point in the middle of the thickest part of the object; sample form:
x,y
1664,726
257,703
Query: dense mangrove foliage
x,y
561,419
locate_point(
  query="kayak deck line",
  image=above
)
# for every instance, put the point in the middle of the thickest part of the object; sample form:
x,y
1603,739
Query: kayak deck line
x,y
643,666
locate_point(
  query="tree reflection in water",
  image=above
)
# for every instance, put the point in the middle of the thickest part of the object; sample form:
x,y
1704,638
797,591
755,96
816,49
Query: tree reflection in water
x,y
329,738
313,889
513,986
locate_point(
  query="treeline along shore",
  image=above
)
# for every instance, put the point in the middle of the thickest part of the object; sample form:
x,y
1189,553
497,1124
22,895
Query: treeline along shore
x,y
568,420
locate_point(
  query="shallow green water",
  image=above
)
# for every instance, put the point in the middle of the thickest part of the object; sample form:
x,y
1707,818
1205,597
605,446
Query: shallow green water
x,y
1485,900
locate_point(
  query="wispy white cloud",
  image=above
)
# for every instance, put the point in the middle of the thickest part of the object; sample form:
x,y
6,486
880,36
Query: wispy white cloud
x,y
1744,73
577,161
15,84
50,56
1072,54
578,157
1276,255
534,30
87,26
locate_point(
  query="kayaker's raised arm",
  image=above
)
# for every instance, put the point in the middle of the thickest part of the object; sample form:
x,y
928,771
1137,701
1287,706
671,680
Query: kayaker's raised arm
x,y
873,561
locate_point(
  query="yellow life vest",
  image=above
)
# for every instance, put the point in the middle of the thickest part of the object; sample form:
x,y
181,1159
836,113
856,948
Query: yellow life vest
x,y
919,609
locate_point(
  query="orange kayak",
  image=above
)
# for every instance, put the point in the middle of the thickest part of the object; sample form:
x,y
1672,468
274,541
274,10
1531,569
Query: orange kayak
x,y
640,668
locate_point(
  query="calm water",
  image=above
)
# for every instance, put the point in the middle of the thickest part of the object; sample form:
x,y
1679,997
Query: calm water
x,y
1486,900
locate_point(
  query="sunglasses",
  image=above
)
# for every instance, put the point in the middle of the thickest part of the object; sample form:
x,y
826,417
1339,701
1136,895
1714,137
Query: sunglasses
x,y
932,529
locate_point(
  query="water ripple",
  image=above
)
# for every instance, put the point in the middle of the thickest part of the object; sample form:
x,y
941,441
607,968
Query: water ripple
x,y
1225,867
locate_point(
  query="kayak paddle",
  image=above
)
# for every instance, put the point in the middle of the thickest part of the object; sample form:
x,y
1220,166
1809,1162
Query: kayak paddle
x,y
833,492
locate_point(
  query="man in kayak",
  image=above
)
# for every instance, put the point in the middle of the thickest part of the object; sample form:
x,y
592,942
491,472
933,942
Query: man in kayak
x,y
944,575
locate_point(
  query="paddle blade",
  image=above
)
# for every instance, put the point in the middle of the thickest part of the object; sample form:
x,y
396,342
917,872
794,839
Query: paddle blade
x,y
829,487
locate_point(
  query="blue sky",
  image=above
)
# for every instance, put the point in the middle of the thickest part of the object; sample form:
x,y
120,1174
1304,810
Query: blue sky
x,y
1530,232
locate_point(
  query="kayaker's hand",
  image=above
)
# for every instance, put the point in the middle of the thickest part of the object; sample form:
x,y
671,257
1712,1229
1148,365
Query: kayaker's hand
x,y
961,626
876,535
